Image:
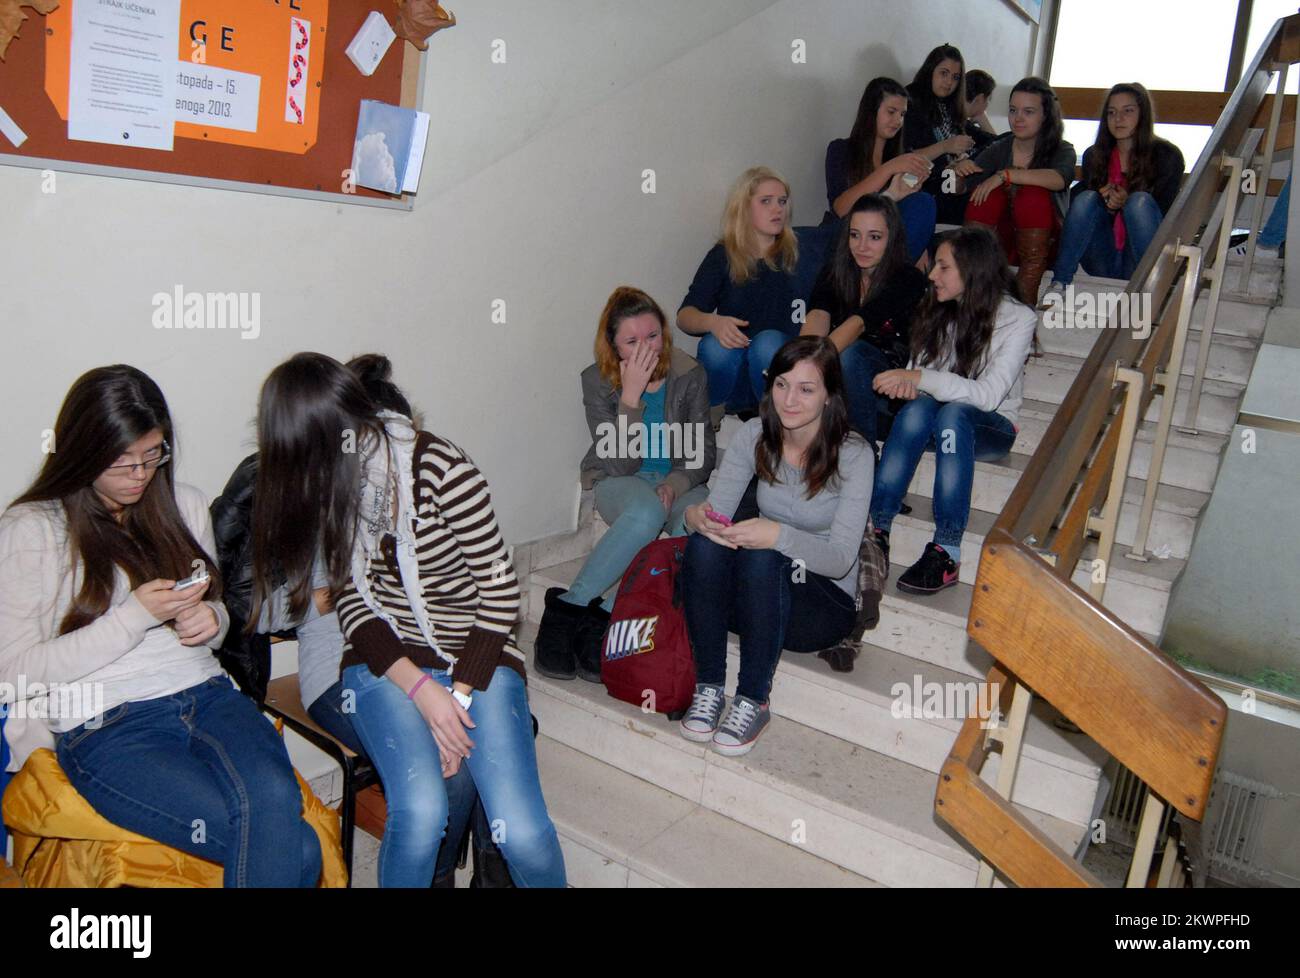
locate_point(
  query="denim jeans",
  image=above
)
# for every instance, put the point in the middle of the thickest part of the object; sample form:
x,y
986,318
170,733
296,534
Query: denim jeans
x,y
860,363
502,762
1274,231
635,516
924,423
201,771
462,797
736,376
917,212
758,595
1089,237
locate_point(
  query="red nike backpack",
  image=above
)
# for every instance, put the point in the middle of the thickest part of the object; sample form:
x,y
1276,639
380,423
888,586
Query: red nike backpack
x,y
645,657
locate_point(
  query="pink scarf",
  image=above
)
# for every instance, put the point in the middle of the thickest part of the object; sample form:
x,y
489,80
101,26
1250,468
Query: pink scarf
x,y
1117,179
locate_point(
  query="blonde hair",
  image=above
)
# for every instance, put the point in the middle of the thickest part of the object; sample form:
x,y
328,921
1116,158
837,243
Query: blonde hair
x,y
624,303
739,239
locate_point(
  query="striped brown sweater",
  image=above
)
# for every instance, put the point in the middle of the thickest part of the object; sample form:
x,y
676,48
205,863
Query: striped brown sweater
x,y
471,592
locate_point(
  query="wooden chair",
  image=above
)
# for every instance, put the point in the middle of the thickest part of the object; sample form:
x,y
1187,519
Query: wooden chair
x,y
284,702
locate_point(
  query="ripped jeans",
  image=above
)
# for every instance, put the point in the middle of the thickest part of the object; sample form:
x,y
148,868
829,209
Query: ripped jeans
x,y
503,763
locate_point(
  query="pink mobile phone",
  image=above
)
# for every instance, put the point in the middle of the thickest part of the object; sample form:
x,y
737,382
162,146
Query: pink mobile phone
x,y
718,517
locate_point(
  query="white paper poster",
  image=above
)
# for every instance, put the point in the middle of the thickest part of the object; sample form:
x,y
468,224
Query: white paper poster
x,y
122,86
218,97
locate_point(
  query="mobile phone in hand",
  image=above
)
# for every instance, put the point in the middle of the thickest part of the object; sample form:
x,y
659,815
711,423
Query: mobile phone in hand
x,y
718,517
198,577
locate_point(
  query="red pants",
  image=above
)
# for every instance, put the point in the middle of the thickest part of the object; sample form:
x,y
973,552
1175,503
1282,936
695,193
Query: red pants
x,y
1026,209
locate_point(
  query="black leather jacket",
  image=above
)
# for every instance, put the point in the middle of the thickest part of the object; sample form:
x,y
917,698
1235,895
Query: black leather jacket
x,y
246,658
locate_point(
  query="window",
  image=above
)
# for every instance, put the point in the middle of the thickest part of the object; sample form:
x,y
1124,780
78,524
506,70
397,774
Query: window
x,y
1164,44
1176,44
1262,16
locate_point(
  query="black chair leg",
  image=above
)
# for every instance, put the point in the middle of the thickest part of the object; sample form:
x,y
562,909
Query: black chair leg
x,y
349,814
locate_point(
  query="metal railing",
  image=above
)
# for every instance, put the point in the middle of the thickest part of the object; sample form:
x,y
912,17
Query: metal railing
x,y
1053,639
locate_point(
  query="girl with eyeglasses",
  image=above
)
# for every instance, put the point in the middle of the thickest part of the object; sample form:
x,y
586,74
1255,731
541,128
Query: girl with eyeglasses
x,y
89,558
1130,179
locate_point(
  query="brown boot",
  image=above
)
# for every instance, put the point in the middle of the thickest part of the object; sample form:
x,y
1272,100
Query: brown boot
x,y
1034,245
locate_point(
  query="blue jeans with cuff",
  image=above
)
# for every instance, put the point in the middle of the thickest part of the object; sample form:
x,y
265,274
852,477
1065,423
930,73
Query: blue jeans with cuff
x,y
503,763
758,595
736,376
636,516
1089,237
462,798
860,363
202,771
960,435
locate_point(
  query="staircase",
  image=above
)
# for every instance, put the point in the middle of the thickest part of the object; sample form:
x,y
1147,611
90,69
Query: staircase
x,y
840,791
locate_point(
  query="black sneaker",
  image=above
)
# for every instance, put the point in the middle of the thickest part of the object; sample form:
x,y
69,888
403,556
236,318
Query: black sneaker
x,y
557,637
591,635
932,573
882,541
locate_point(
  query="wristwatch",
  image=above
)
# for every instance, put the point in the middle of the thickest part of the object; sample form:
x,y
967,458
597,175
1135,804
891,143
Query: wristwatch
x,y
464,699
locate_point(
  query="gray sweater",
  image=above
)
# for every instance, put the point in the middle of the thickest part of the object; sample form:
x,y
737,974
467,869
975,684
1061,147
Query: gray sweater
x,y
825,532
686,413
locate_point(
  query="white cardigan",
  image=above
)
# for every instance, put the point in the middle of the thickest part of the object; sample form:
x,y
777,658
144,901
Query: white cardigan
x,y
1000,385
126,651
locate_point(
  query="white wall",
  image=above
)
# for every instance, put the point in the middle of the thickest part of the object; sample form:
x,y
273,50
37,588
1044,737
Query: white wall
x,y
531,193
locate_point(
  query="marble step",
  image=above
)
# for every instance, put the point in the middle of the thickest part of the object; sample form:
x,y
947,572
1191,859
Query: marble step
x,y
1234,318
1173,521
1231,357
870,814
1191,461
617,830
1048,378
1137,591
868,707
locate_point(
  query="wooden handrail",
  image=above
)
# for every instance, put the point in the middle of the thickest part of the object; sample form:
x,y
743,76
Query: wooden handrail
x,y
1174,106
1154,717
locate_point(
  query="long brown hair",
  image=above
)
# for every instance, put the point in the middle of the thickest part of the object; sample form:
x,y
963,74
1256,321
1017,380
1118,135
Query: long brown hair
x,y
922,87
822,462
314,416
964,326
1052,133
862,140
846,276
106,410
624,303
1142,164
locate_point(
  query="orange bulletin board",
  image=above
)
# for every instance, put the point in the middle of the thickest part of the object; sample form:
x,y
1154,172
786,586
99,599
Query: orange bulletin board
x,y
308,98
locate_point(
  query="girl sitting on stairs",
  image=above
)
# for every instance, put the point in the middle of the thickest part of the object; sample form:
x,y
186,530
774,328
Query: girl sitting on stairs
x,y
1026,178
745,299
786,579
970,340
1130,179
864,300
638,383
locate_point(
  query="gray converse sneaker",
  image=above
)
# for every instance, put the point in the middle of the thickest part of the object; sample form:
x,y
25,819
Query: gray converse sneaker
x,y
740,728
701,719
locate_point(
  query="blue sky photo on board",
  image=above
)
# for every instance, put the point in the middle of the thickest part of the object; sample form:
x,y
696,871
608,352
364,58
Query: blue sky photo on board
x,y
383,145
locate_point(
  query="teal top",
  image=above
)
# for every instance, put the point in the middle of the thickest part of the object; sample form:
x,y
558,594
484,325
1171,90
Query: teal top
x,y
657,459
